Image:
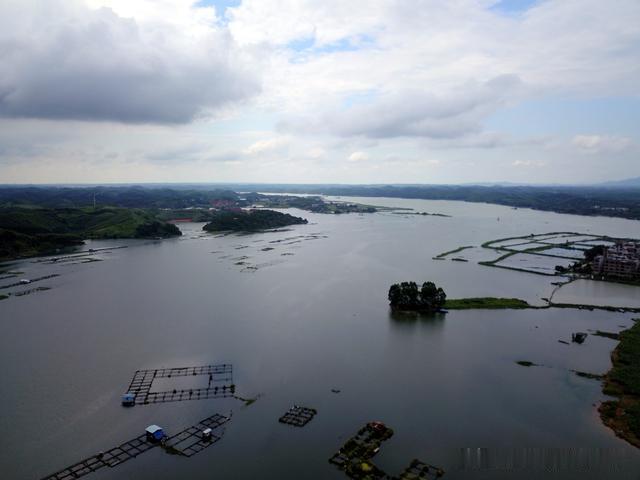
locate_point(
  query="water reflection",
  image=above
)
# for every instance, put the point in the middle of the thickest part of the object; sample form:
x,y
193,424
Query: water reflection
x,y
404,321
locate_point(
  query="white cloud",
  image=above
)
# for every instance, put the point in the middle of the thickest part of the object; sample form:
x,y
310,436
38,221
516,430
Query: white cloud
x,y
268,145
601,143
63,60
404,79
358,157
415,113
528,163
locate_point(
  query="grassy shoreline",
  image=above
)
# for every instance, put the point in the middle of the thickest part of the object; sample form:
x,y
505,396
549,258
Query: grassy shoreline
x,y
623,381
489,303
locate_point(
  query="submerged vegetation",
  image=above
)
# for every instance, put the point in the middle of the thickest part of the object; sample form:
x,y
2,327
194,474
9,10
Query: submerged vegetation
x,y
407,296
250,221
485,303
527,363
443,255
623,381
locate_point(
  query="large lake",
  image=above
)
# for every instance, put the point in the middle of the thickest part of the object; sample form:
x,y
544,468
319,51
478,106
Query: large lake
x,y
299,313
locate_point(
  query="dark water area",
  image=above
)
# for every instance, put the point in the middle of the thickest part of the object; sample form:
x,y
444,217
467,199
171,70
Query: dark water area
x,y
298,313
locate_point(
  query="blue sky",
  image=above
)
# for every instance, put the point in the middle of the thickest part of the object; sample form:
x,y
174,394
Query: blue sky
x,y
553,116
514,6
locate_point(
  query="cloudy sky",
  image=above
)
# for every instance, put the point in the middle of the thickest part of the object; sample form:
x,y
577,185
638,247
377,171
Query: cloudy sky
x,y
319,91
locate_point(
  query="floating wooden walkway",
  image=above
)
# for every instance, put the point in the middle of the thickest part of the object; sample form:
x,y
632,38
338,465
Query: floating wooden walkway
x,y
190,441
110,458
187,443
142,382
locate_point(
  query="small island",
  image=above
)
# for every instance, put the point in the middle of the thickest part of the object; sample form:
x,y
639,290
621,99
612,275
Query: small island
x,y
407,296
250,220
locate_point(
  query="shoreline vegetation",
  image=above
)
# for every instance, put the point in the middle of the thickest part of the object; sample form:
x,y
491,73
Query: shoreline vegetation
x,y
424,214
487,303
251,221
498,303
621,202
27,232
50,220
622,415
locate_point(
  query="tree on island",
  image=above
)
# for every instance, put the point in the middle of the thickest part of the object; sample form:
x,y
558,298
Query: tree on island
x,y
407,296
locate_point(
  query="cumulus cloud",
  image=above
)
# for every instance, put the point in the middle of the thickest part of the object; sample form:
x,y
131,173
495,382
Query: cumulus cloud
x,y
63,60
415,113
267,145
394,78
358,157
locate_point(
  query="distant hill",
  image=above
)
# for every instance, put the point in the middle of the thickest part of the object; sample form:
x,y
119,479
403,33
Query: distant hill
x,y
626,183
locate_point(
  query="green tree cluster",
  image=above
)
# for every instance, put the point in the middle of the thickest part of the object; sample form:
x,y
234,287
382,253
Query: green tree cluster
x,y
407,296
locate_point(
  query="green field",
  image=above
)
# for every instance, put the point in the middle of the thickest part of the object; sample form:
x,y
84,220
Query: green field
x,y
490,303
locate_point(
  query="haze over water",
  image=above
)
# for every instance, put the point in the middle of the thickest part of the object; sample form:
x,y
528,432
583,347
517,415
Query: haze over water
x,y
308,315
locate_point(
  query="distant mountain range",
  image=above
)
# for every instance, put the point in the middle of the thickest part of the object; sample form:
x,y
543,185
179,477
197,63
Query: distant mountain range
x,y
627,183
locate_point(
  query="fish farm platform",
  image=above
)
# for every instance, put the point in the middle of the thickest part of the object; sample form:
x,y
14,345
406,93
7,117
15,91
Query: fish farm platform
x,y
191,441
354,457
142,383
110,458
298,416
187,443
421,470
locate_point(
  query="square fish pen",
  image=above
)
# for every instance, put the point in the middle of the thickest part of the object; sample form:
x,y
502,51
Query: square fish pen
x,y
193,440
219,386
298,416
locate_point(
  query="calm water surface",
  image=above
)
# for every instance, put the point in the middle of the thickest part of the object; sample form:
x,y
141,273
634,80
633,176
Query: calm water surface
x,y
299,313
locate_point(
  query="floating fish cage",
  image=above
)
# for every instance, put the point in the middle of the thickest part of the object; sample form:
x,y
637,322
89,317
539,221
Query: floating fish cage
x,y
420,470
187,443
298,416
354,457
578,337
219,386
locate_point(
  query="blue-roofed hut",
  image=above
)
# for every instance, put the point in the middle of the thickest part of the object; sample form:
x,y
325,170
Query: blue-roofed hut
x,y
154,433
128,400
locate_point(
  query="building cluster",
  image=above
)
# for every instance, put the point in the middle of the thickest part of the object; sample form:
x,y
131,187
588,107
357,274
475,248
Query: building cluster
x,y
621,260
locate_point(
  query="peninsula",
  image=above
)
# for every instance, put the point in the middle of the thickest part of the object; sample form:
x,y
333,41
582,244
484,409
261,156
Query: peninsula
x,y
26,232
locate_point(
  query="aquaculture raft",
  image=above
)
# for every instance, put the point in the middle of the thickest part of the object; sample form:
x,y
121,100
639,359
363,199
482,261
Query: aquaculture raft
x,y
142,382
421,470
187,443
298,416
191,440
354,457
110,458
